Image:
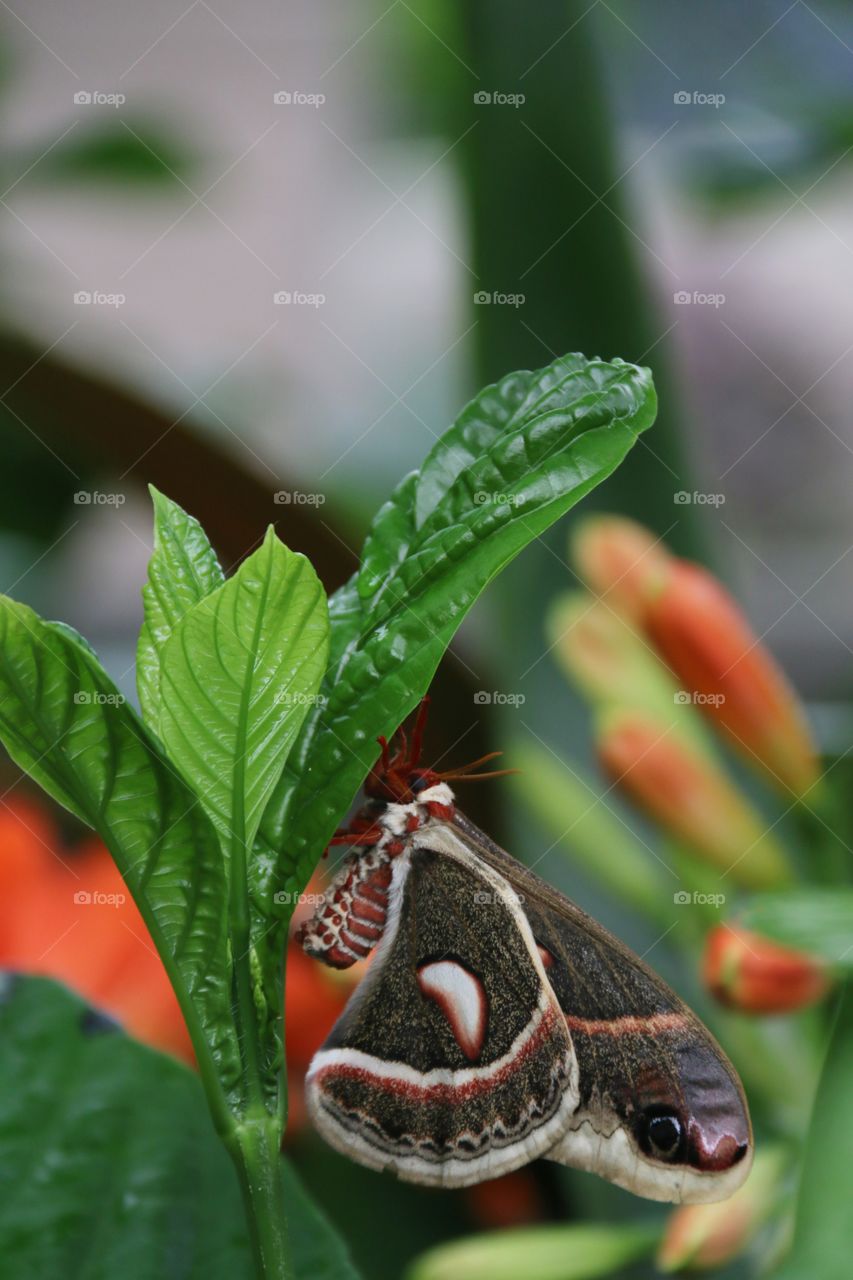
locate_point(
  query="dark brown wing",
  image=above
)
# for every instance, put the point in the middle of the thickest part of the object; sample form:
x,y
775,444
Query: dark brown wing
x,y
452,1062
661,1110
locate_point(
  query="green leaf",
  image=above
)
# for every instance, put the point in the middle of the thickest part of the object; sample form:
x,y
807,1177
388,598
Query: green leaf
x,y
572,392
109,1165
520,455
538,1253
182,571
822,1233
819,921
65,723
239,674
523,453
389,538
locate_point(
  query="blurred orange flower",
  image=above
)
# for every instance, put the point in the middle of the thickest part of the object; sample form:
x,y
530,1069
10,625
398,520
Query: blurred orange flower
x,y
748,972
66,913
730,674
689,795
706,641
621,561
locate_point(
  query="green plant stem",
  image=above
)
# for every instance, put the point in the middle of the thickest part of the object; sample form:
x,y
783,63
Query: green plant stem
x,y
255,1142
254,1146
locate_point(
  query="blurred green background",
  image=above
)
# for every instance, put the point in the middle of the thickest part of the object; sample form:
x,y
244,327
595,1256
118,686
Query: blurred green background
x,y
261,257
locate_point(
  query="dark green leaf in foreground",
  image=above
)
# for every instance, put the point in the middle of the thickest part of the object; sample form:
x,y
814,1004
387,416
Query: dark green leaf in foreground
x,y
522,453
581,1252
66,724
183,569
819,921
109,1166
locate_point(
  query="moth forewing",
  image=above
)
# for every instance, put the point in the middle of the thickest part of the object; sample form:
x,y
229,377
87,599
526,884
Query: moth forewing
x,y
661,1110
453,1063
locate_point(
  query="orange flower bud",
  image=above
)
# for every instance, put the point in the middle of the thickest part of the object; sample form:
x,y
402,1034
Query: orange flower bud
x,y
621,561
726,671
748,972
690,796
701,1237
614,664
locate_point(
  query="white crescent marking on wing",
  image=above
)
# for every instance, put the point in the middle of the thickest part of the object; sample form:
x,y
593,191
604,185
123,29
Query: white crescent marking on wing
x,y
462,999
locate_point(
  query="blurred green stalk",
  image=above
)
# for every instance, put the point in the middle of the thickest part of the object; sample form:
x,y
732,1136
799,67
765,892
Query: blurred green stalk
x,y
551,219
539,1253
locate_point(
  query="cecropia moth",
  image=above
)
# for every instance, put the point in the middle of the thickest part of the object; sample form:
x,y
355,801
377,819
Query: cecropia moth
x,y
498,1022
